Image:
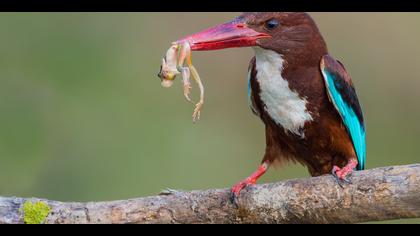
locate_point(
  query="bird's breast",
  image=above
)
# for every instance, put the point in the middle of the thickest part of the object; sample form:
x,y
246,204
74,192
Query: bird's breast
x,y
285,107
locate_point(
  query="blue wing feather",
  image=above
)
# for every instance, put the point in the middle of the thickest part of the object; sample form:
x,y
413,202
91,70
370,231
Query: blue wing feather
x,y
343,96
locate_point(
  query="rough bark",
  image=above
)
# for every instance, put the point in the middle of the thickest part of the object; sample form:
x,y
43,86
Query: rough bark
x,y
377,194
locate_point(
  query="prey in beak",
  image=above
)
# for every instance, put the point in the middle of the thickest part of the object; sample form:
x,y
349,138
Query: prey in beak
x,y
178,57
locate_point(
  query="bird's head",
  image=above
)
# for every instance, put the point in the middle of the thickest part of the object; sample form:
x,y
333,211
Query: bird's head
x,y
287,33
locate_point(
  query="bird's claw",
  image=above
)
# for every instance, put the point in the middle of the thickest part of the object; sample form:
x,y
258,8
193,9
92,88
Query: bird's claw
x,y
340,176
233,198
251,180
237,188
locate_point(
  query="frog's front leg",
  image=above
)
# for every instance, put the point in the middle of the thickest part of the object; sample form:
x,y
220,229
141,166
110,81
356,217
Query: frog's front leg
x,y
185,54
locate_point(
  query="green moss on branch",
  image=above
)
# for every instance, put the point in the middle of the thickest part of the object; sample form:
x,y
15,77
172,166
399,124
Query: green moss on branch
x,y
35,213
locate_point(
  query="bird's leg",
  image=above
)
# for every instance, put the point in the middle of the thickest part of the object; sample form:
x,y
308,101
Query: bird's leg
x,y
251,180
341,174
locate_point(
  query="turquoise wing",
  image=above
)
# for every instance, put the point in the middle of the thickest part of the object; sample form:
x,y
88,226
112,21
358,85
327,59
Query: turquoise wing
x,y
342,94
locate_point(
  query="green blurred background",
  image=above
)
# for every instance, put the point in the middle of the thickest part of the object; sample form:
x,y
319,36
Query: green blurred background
x,y
83,116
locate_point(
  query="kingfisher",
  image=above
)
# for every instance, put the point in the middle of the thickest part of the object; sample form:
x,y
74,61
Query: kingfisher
x,y
304,96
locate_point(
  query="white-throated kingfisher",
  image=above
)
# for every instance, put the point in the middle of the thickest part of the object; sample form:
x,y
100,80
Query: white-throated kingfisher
x,y
304,96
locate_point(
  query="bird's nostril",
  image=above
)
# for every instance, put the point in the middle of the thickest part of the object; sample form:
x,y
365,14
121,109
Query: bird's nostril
x,y
240,25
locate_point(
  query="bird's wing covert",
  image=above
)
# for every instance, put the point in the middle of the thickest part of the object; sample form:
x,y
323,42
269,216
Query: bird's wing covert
x,y
342,94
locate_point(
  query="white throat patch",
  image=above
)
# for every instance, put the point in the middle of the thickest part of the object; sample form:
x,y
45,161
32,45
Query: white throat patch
x,y
283,105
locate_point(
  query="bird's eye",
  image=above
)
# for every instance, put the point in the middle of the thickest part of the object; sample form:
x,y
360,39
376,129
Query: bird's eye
x,y
271,24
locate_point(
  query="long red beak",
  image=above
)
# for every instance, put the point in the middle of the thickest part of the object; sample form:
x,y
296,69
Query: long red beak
x,y
229,35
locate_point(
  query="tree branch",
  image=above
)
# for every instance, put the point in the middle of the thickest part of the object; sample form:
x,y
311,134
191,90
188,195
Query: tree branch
x,y
377,194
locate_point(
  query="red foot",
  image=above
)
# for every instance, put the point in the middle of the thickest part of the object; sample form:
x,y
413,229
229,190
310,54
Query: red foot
x,y
342,173
237,188
251,180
